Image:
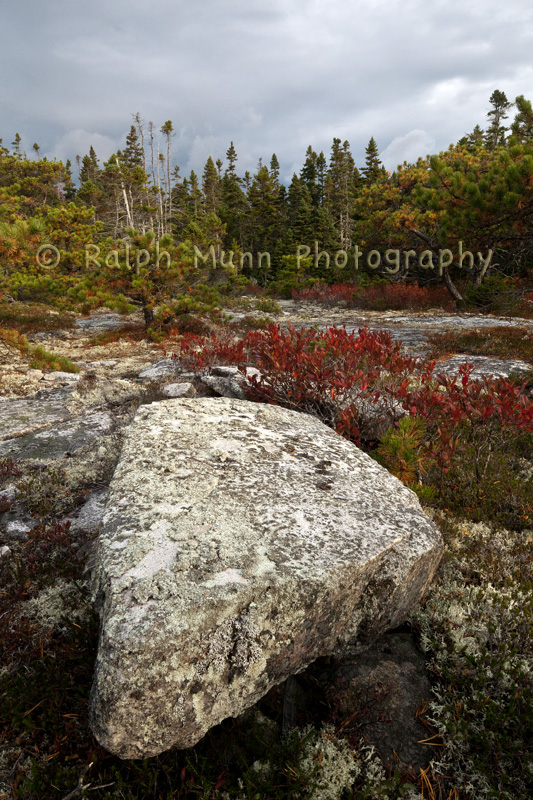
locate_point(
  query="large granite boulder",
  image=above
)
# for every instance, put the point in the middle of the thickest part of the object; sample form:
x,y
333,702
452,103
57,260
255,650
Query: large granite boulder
x,y
240,542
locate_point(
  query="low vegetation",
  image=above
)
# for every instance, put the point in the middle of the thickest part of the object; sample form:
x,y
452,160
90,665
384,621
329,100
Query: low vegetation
x,y
498,342
39,357
33,318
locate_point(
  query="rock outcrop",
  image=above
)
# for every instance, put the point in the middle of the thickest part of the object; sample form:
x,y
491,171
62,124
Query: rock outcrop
x,y
240,542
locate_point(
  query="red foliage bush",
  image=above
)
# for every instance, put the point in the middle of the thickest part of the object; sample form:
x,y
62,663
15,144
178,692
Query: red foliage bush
x,y
481,409
326,295
330,373
379,297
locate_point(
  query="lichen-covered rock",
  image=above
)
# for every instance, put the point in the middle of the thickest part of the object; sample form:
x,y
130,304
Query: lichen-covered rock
x,y
160,370
240,542
19,416
184,389
228,381
49,443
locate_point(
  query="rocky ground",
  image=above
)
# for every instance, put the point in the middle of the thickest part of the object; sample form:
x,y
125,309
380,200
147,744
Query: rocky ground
x,y
73,422
126,359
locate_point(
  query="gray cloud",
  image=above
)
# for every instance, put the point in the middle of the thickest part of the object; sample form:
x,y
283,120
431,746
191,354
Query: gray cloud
x,y
272,76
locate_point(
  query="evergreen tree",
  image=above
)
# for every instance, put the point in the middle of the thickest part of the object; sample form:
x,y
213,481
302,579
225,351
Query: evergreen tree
x,y
90,169
69,189
373,168
16,145
180,204
168,132
308,174
211,187
234,205
321,173
473,140
342,181
299,217
133,155
195,195
522,127
231,155
264,219
495,133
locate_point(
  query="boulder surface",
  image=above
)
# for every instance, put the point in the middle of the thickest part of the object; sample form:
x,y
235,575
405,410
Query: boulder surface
x,y
240,542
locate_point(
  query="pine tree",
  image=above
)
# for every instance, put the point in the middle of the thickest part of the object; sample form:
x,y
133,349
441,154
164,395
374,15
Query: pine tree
x,y
321,173
234,205
265,223
473,140
300,219
522,127
195,195
89,167
16,145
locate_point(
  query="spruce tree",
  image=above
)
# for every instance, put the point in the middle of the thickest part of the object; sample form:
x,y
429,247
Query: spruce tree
x,y
341,190
495,133
274,168
308,174
373,167
231,155
211,187
133,155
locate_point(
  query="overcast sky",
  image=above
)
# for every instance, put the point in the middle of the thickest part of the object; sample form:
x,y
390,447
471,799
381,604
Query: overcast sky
x,y
269,75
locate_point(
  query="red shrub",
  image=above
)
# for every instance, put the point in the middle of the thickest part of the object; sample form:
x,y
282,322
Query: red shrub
x,y
379,297
348,378
326,295
328,373
481,409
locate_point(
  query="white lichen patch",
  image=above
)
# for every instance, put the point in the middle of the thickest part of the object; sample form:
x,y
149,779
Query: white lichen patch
x,y
54,605
225,577
326,763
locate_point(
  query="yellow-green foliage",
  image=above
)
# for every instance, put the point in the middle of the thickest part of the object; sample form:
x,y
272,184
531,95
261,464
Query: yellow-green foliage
x,y
40,358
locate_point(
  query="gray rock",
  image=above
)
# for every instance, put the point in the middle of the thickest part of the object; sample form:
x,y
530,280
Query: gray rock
x,y
5,552
61,377
240,542
18,529
29,414
105,362
178,390
485,365
159,370
101,322
91,514
228,382
8,493
50,443
388,684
